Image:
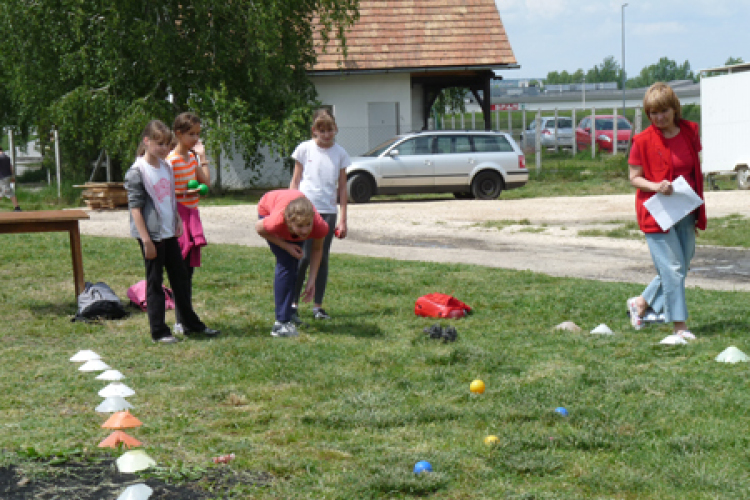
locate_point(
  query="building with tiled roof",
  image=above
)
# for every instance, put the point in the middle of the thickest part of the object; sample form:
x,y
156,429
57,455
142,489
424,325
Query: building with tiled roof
x,y
400,55
420,36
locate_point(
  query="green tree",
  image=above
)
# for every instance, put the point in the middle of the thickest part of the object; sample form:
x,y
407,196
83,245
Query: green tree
x,y
450,101
608,71
98,70
664,71
553,78
733,60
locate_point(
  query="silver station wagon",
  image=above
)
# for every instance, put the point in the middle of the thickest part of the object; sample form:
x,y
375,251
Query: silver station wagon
x,y
469,164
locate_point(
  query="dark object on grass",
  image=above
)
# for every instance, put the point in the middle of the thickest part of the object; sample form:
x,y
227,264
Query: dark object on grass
x,y
447,333
98,301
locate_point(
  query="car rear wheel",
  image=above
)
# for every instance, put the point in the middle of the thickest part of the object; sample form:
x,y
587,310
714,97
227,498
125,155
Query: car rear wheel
x,y
487,185
743,178
359,188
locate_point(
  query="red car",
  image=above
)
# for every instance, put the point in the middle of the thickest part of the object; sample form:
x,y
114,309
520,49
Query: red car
x,y
604,130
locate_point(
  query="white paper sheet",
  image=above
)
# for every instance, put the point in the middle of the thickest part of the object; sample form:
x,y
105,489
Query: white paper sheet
x,y
669,210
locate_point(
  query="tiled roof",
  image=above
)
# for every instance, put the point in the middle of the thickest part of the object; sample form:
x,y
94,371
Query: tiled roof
x,y
420,34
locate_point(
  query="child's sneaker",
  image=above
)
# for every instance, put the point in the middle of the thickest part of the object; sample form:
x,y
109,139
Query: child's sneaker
x,y
686,334
652,316
320,313
635,319
284,329
167,340
295,318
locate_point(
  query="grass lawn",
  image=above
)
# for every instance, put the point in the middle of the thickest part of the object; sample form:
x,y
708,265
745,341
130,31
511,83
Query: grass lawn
x,y
347,409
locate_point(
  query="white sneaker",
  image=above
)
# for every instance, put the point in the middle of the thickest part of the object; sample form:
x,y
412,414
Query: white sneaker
x,y
652,317
686,334
635,320
284,329
178,328
673,340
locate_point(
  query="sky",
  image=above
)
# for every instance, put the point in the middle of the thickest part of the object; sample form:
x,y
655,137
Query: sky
x,y
557,35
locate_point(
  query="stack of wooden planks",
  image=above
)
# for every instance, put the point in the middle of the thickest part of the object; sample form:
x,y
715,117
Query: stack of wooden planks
x,y
104,195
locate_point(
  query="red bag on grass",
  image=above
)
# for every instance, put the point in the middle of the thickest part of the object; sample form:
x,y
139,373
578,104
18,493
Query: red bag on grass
x,y
137,295
440,305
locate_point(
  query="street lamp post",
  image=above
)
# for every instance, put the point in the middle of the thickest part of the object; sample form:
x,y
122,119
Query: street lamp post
x,y
584,91
623,56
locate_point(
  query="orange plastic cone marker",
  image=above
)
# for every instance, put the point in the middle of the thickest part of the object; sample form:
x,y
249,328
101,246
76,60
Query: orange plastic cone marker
x,y
122,420
117,437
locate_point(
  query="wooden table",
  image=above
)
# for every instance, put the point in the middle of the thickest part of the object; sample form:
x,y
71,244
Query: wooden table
x,y
47,221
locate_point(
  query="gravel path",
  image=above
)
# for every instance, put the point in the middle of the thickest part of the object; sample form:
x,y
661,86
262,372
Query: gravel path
x,y
539,234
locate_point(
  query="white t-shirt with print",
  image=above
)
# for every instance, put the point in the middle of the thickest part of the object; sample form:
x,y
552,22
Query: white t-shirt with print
x,y
320,173
163,190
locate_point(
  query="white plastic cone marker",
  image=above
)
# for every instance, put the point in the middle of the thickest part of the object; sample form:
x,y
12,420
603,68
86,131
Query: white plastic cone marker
x,y
673,340
84,355
94,365
113,404
603,330
568,325
113,375
134,461
116,389
732,355
136,492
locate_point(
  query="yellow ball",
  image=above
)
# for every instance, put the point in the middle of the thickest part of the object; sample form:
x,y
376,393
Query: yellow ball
x,y
477,387
491,440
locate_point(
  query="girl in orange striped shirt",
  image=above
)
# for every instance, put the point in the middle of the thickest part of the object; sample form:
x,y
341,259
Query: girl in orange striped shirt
x,y
188,161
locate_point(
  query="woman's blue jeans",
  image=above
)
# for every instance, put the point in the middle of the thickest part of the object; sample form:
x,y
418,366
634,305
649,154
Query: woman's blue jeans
x,y
671,253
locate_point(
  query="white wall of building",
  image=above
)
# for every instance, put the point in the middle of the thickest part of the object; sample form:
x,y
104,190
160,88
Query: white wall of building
x,y
350,97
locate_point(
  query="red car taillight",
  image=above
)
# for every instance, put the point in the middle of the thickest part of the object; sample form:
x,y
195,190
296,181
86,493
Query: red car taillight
x,y
521,161
546,132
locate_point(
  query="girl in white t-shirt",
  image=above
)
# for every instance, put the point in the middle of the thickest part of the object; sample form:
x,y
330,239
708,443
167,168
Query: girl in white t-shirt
x,y
320,173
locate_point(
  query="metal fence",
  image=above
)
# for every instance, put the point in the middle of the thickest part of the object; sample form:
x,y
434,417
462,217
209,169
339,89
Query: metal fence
x,y
518,124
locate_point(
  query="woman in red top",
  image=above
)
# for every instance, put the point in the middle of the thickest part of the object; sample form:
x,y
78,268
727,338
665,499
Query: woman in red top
x,y
660,154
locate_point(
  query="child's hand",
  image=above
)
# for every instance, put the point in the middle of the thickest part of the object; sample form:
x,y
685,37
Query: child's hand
x,y
294,250
309,292
149,250
200,150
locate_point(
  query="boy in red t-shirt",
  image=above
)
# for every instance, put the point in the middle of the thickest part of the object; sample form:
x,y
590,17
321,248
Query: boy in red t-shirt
x,y
287,219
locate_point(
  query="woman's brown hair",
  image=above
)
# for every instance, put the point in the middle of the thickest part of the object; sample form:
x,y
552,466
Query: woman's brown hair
x,y
660,97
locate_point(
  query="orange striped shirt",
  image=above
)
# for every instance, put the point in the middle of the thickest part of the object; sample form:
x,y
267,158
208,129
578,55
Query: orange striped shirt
x,y
184,171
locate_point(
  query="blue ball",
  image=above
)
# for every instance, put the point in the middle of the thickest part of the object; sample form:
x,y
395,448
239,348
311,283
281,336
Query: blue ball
x,y
422,466
562,411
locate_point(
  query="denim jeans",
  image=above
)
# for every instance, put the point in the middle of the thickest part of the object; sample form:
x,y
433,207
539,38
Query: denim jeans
x,y
285,276
671,253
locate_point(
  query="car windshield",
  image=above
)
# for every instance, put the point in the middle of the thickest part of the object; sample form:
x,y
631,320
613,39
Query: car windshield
x,y
378,150
608,124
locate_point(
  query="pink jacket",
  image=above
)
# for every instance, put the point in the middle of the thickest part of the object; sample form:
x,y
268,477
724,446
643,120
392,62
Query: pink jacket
x,y
192,234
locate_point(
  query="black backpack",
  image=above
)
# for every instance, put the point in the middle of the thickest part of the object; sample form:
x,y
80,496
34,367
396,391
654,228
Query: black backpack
x,y
98,301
